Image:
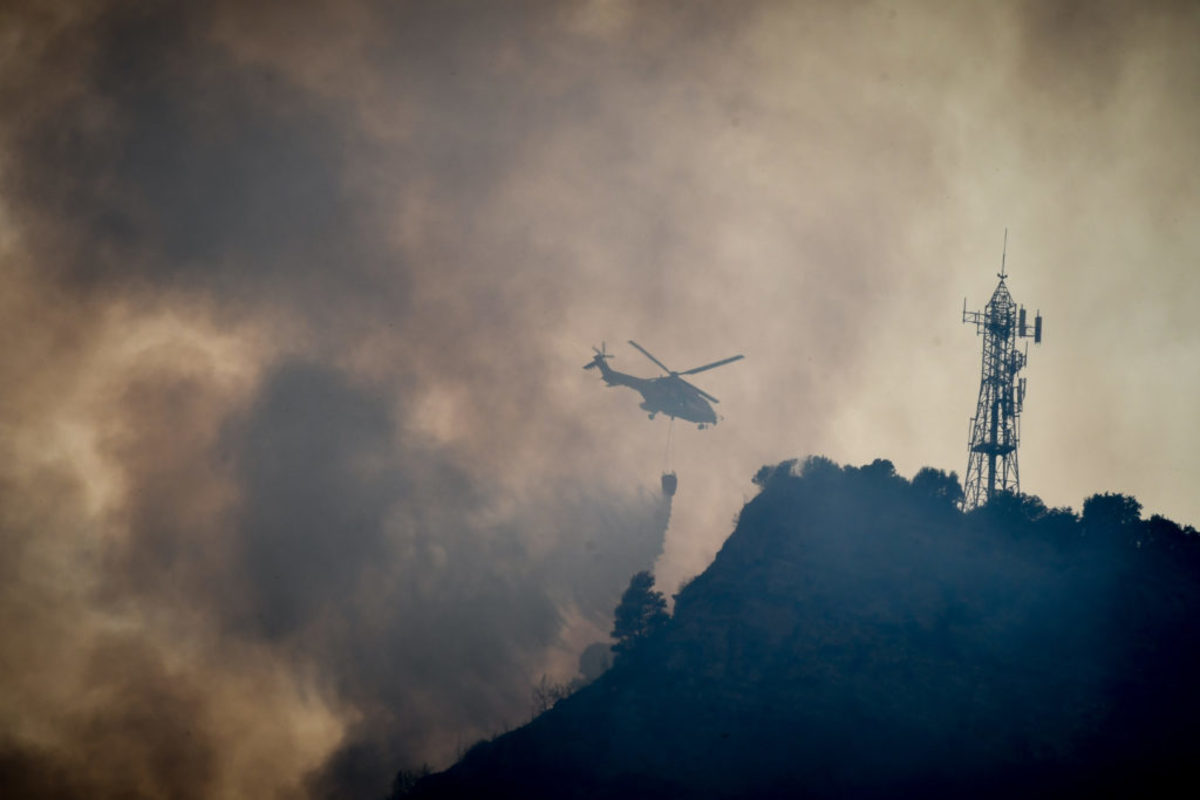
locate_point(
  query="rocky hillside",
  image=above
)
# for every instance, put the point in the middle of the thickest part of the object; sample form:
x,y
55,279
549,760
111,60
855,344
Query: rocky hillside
x,y
859,636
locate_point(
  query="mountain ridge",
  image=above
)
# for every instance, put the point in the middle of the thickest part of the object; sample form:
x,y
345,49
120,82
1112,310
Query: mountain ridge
x,y
858,635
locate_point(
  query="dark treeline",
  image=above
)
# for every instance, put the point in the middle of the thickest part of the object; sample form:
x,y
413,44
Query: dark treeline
x,y
858,635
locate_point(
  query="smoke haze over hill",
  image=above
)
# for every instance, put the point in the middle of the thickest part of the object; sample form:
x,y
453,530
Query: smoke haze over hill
x,y
300,471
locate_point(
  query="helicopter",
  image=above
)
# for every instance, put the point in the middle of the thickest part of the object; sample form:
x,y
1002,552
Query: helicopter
x,y
669,394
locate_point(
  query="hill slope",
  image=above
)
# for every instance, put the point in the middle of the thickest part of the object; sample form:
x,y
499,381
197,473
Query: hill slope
x,y
857,635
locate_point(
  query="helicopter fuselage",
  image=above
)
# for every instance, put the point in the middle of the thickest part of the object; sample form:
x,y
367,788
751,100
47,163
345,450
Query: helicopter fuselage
x,y
668,395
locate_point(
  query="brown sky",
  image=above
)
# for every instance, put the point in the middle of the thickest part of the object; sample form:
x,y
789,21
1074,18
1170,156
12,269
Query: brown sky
x,y
302,480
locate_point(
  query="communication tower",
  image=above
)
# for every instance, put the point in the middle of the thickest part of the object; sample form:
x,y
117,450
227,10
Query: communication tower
x,y
995,428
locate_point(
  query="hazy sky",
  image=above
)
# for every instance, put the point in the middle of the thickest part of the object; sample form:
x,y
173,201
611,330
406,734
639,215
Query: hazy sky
x,y
303,481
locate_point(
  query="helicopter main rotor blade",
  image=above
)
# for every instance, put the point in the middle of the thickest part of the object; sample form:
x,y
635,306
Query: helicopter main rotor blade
x,y
714,364
700,391
646,353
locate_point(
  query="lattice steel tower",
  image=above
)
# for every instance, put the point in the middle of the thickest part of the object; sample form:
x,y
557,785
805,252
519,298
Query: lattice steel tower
x,y
995,429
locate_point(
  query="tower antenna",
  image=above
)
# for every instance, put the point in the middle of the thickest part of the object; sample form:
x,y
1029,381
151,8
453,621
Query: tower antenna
x,y
1004,254
995,428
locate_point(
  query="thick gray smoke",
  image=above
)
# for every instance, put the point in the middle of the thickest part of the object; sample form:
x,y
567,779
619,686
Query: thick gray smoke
x,y
301,480
337,500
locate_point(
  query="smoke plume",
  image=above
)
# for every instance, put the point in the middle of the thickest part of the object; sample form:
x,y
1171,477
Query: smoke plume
x,y
301,480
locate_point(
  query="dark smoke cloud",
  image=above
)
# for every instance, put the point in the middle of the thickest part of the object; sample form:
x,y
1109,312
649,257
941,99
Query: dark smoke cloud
x,y
293,520
367,556
364,559
301,479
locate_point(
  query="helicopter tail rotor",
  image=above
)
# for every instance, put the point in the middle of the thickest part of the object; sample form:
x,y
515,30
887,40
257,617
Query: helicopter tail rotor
x,y
601,354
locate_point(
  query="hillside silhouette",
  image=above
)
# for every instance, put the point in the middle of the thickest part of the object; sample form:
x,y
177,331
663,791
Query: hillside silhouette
x,y
859,636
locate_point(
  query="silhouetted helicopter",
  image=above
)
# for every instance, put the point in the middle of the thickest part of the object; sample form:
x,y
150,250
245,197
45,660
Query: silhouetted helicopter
x,y
670,394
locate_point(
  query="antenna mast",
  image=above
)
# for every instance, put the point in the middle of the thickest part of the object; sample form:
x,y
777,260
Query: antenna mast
x,y
995,428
